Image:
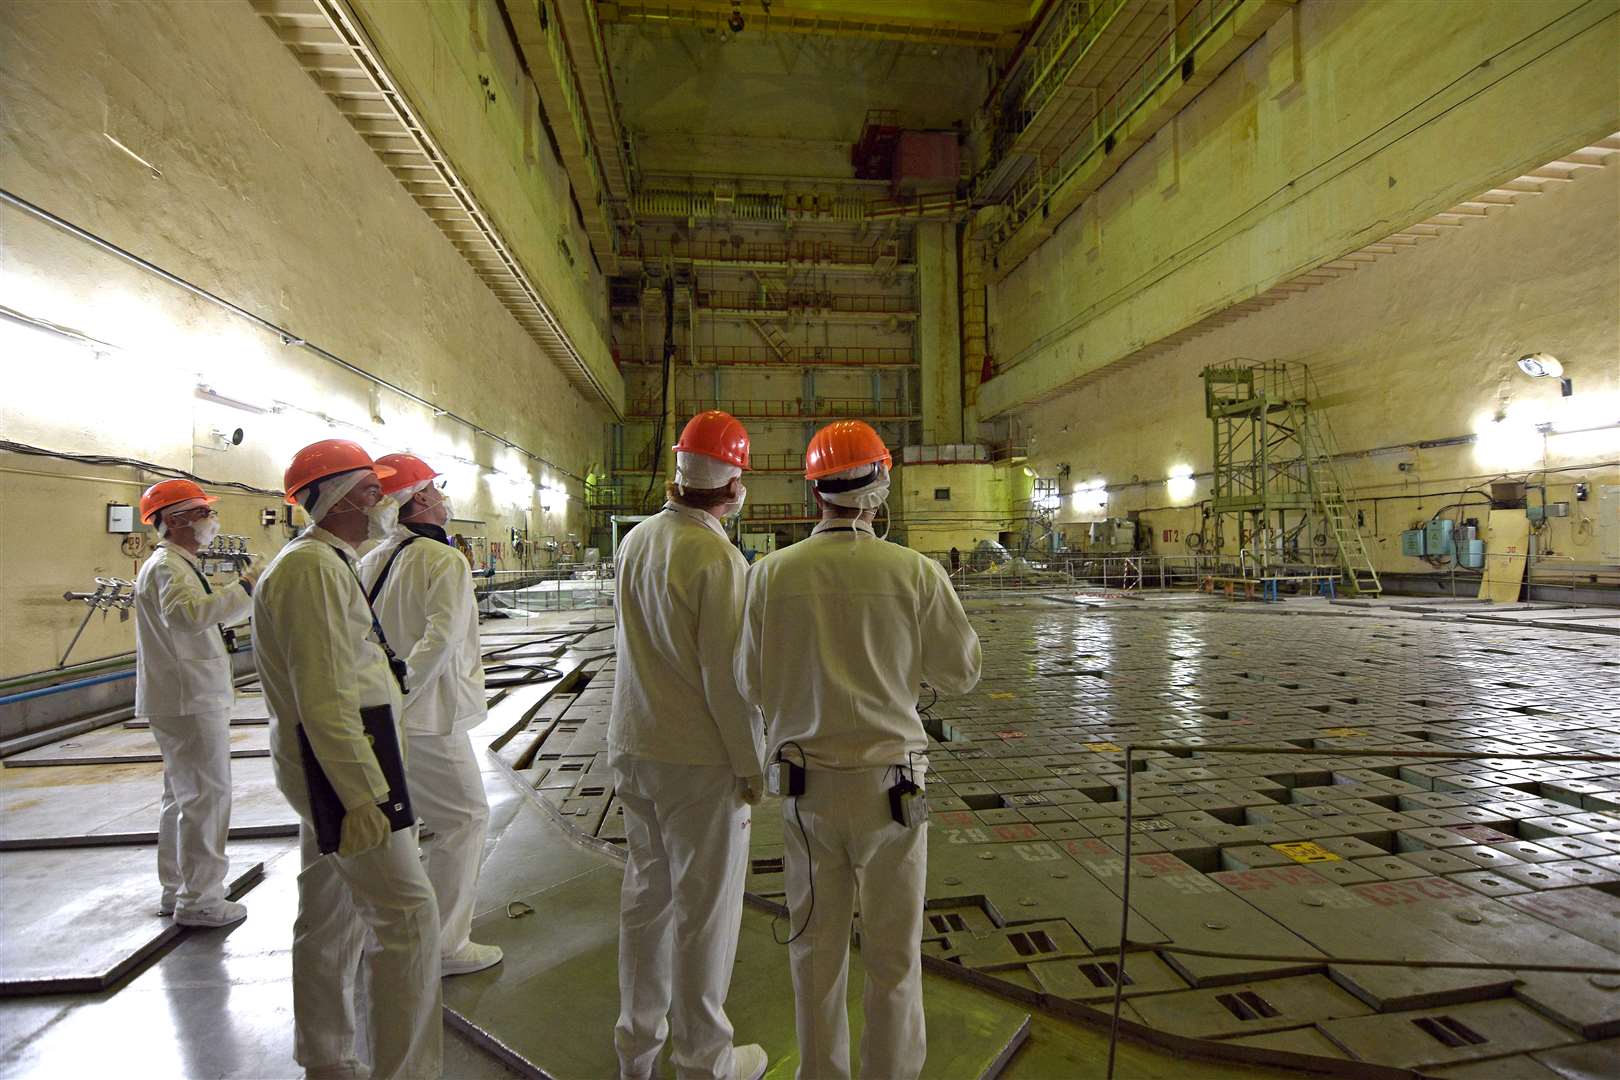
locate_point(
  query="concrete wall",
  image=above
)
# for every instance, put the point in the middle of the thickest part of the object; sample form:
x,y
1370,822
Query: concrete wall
x,y
493,134
1346,122
777,104
262,193
1416,347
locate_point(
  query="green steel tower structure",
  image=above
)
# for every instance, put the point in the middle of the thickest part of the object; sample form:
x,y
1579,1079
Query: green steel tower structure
x,y
1274,469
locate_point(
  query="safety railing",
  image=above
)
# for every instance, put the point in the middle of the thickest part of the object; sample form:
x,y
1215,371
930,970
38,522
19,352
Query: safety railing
x,y
803,355
800,253
1100,128
760,461
804,301
1471,578
1018,576
754,511
562,588
821,408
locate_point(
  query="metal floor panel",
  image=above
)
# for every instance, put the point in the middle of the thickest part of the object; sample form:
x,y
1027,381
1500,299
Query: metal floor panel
x,y
565,953
119,745
78,921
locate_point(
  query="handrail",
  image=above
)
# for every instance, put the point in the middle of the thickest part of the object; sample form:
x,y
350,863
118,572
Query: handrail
x,y
803,355
803,300
801,252
1032,191
819,408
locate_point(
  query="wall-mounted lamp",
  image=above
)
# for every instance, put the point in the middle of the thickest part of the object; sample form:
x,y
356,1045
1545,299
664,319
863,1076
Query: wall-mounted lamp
x,y
1546,366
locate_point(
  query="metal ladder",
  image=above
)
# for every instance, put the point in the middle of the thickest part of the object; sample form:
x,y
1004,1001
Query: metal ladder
x,y
1316,440
780,345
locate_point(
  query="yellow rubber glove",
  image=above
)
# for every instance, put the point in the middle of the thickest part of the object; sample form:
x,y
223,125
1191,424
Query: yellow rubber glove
x,y
364,828
750,789
250,572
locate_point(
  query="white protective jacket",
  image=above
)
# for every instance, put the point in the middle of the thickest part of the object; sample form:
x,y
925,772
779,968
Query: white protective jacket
x,y
320,665
430,614
838,632
181,666
679,590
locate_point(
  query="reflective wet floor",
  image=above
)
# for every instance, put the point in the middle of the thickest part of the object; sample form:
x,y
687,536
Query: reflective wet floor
x,y
1287,865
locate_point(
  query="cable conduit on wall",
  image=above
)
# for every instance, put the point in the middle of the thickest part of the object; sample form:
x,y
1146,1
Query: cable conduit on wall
x,y
1294,189
288,337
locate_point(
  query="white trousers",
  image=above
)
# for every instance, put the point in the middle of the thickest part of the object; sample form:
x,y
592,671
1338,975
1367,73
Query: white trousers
x,y
194,819
857,851
378,904
447,793
680,912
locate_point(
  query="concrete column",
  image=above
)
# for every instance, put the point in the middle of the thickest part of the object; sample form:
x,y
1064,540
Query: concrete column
x,y
939,332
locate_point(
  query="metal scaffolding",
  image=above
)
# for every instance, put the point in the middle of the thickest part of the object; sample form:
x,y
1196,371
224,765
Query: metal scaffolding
x,y
1275,470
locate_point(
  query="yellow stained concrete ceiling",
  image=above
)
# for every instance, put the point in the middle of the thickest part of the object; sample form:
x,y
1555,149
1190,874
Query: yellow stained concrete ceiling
x,y
990,24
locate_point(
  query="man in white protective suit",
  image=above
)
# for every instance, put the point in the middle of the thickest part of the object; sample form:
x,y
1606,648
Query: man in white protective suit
x,y
838,633
183,688
422,590
334,689
685,752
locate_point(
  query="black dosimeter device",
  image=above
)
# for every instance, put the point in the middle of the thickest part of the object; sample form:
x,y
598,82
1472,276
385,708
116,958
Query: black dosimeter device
x,y
784,778
908,803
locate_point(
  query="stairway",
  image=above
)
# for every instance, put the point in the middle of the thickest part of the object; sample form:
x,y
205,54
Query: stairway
x,y
1317,443
775,338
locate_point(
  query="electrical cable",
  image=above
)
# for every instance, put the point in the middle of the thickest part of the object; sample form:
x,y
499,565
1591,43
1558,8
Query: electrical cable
x,y
167,471
655,451
809,862
286,336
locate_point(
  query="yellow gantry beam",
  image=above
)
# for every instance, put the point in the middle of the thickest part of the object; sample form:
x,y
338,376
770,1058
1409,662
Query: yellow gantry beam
x,y
984,24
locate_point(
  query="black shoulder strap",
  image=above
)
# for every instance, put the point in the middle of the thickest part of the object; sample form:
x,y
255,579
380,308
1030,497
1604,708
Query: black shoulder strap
x,y
395,664
195,569
228,636
376,586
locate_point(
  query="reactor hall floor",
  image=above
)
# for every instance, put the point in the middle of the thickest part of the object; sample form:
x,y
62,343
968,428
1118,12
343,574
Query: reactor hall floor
x,y
1349,853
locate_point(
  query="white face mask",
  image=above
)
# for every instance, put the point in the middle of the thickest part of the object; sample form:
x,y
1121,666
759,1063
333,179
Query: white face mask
x,y
204,531
437,514
733,509
381,519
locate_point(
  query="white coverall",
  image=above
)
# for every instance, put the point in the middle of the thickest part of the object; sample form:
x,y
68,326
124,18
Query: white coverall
x,y
838,632
429,612
183,687
679,738
320,665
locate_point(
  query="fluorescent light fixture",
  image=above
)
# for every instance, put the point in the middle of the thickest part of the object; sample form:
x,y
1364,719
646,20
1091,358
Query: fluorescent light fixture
x,y
1090,497
234,400
1509,442
1181,484
552,494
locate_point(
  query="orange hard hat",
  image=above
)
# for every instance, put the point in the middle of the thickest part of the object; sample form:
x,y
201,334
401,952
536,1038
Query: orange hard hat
x,y
328,458
846,444
409,470
718,435
166,493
